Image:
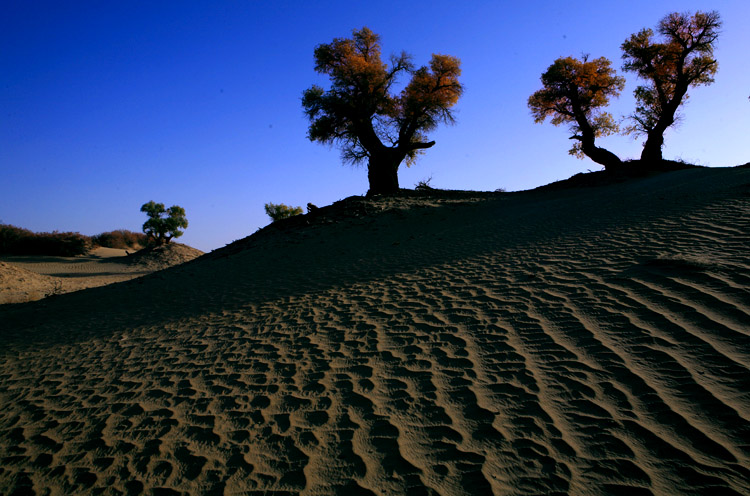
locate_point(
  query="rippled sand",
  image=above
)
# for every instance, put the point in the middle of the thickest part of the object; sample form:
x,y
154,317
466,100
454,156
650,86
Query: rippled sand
x,y
588,341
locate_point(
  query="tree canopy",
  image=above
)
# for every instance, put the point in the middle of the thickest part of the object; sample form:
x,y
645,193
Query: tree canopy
x,y
574,92
682,59
163,224
361,115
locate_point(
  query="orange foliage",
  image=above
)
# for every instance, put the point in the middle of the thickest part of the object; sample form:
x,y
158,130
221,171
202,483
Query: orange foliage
x,y
359,113
684,58
432,91
574,93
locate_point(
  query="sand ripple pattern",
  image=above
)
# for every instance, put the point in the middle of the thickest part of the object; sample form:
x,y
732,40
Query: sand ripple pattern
x,y
575,353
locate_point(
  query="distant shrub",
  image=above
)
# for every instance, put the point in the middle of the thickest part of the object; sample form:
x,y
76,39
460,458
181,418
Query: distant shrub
x,y
121,238
10,237
281,211
67,244
424,185
18,241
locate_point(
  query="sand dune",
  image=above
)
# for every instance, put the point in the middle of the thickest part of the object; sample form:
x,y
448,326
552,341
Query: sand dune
x,y
18,284
585,341
33,277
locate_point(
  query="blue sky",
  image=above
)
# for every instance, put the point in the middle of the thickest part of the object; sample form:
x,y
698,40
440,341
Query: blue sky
x,y
107,105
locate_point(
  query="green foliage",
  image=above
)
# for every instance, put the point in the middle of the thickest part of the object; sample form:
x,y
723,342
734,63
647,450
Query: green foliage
x,y
18,241
121,239
163,224
281,211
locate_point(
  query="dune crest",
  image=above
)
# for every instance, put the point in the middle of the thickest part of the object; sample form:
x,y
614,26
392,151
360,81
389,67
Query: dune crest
x,y
583,341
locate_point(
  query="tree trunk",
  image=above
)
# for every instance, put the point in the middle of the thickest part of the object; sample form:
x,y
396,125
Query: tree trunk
x,y
651,153
382,172
601,156
652,149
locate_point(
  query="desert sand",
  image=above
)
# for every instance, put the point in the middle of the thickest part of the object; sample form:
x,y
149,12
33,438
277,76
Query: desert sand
x,y
580,341
31,278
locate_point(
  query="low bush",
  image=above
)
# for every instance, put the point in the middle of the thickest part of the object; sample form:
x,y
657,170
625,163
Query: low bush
x,y
281,211
424,185
121,238
18,241
10,237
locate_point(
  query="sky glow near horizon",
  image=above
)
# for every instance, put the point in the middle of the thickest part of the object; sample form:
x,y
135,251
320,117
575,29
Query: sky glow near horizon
x,y
107,105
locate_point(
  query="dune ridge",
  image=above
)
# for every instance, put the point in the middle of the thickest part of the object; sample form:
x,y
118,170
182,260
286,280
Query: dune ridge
x,y
584,341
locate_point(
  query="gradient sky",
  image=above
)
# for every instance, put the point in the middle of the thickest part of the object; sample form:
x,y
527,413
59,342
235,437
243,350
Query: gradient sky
x,y
107,105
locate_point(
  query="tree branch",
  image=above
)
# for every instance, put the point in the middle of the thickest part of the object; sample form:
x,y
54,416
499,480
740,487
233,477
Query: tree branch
x,y
421,146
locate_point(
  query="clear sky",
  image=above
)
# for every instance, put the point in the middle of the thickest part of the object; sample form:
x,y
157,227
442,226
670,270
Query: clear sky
x,y
107,105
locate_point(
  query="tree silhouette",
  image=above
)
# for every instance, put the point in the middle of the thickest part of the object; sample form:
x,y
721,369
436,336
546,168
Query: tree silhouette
x,y
360,114
163,224
682,60
574,92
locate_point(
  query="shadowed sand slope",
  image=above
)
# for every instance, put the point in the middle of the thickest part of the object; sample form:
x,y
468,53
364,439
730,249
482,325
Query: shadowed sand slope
x,y
591,341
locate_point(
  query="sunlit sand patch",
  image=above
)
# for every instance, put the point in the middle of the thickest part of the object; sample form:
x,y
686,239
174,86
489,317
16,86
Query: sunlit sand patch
x,y
33,277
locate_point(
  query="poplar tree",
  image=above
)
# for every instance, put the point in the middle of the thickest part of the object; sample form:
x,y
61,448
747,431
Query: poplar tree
x,y
365,119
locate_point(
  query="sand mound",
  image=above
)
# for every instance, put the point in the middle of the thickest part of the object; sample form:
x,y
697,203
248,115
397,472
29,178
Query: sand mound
x,y
30,278
563,342
19,285
162,257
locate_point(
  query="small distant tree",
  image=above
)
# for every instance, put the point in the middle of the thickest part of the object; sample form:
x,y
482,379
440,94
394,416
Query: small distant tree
x,y
281,211
683,59
574,92
163,224
360,114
